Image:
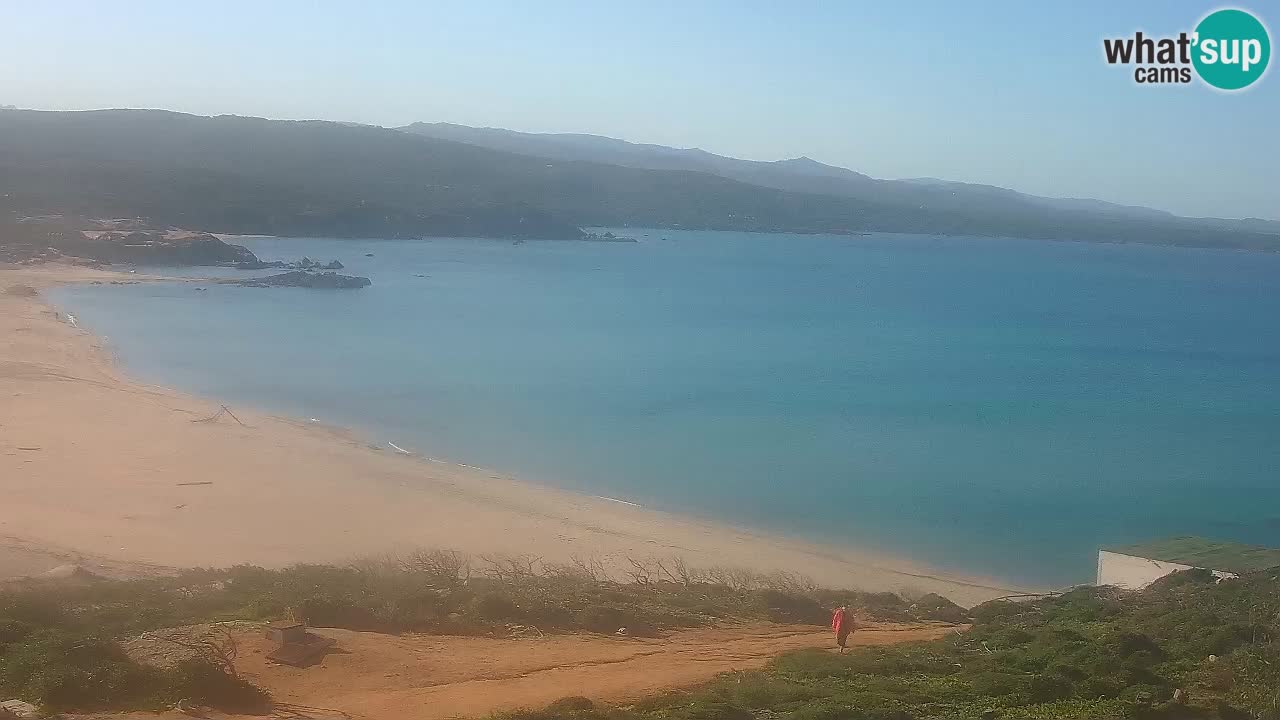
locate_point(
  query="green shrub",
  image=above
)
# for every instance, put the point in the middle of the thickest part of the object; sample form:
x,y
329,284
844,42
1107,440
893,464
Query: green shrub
x,y
1097,686
61,670
787,607
827,710
202,683
995,611
1088,653
496,606
338,611
1001,685
64,671
1049,687
1092,653
12,631
1173,581
573,703
935,607
710,710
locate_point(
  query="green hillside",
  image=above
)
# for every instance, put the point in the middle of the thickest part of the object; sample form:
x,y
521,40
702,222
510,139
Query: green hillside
x,y
247,175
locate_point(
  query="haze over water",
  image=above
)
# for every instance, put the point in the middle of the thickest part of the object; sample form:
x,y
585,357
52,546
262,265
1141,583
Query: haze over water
x,y
994,406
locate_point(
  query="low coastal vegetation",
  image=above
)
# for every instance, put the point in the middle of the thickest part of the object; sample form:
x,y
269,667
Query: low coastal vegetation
x,y
1187,647
59,642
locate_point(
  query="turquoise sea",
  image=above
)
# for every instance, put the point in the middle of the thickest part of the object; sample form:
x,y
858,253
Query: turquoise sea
x,y
994,406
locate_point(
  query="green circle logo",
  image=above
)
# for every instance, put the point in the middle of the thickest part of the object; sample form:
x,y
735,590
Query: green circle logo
x,y
1232,49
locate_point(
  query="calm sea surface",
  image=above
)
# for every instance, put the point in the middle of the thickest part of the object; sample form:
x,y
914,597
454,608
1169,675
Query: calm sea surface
x,y
996,406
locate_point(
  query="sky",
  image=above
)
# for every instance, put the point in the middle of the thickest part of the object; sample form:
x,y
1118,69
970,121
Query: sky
x,y
1014,94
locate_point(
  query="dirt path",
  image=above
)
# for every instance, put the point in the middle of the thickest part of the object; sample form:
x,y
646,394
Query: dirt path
x,y
422,677
440,677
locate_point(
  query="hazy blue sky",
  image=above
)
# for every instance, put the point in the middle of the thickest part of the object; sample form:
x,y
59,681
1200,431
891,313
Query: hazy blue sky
x,y
1011,93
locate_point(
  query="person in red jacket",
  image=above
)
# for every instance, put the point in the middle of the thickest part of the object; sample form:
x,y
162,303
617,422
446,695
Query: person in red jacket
x,y
842,623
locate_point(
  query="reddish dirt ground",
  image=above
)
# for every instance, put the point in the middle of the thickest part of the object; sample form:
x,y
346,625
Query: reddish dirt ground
x,y
422,677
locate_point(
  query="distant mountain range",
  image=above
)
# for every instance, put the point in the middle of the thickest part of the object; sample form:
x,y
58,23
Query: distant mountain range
x,y
248,175
803,174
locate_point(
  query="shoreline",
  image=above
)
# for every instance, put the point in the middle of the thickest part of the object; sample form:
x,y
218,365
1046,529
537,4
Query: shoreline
x,y
125,479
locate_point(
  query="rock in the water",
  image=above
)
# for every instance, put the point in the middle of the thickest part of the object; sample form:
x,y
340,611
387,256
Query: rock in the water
x,y
608,237
259,265
307,263
299,278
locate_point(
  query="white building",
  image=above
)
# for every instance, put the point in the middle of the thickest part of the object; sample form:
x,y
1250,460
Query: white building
x,y
1134,567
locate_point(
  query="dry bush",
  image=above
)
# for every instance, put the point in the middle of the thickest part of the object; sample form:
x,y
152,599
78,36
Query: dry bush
x,y
582,569
438,568
510,568
674,569
745,580
787,582
376,565
444,568
678,570
645,571
216,646
734,578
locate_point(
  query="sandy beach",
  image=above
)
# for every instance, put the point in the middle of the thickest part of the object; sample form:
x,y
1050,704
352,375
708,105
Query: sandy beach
x,y
98,469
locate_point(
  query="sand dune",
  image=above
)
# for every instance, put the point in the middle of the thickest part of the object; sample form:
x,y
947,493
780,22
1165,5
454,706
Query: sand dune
x,y
99,469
